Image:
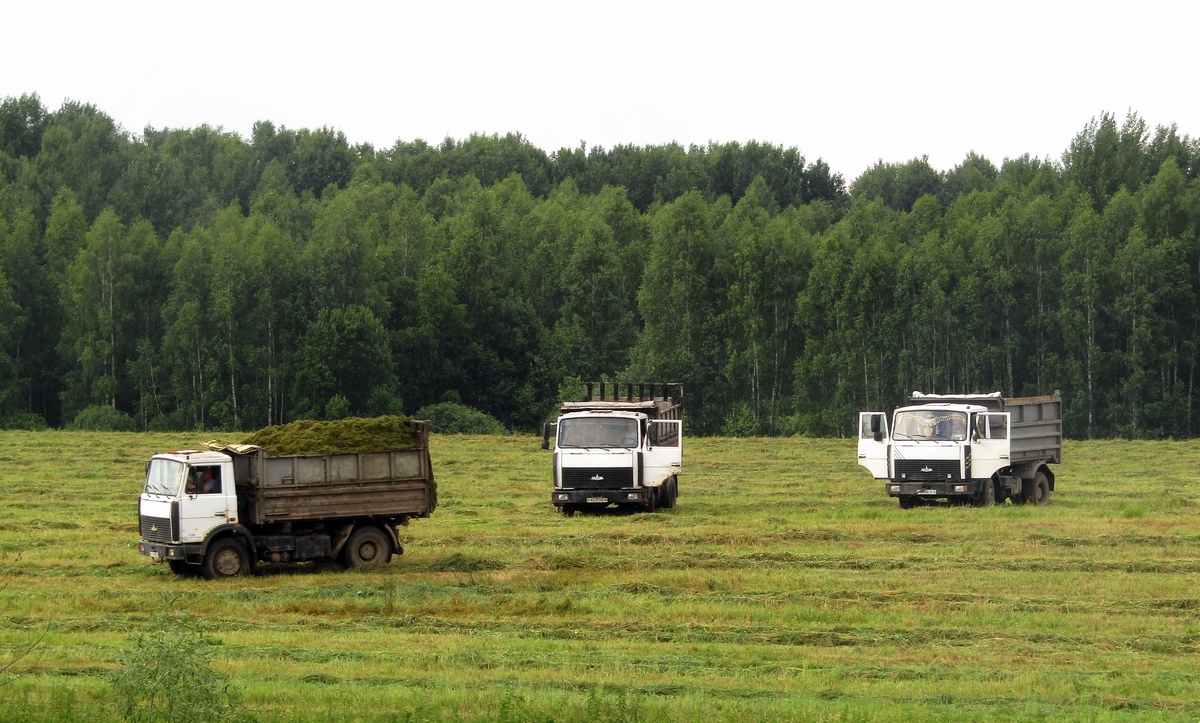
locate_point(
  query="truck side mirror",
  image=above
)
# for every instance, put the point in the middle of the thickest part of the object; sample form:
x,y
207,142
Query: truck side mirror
x,y
877,427
546,434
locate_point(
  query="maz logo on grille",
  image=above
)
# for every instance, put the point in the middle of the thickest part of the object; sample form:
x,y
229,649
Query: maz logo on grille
x,y
927,468
597,478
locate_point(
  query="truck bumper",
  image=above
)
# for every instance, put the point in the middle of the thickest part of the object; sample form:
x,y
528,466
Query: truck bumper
x,y
159,551
623,496
958,488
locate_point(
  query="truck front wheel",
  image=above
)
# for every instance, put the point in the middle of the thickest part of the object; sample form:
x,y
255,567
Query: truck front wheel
x,y
651,503
366,546
672,493
179,567
226,557
986,497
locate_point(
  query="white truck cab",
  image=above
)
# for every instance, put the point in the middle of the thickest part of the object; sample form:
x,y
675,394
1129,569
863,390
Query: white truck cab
x,y
188,495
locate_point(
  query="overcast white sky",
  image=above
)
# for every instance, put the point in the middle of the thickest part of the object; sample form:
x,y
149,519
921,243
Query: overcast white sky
x,y
850,82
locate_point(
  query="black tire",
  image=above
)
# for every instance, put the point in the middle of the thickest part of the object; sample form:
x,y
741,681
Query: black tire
x,y
672,493
1026,494
651,503
179,567
567,510
907,502
986,497
367,546
1039,492
226,557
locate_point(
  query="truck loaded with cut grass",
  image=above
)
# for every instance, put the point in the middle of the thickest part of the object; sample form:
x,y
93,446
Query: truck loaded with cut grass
x,y
980,449
296,492
621,444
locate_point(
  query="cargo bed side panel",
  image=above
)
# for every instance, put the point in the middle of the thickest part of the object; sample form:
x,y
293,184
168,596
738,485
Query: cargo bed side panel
x,y
1036,429
314,487
373,499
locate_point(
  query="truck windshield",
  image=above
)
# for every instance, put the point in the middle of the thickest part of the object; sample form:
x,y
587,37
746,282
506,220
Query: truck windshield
x,y
610,432
931,424
163,476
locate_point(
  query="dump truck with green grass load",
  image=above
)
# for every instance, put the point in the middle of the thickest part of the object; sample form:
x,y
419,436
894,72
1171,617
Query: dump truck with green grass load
x,y
292,493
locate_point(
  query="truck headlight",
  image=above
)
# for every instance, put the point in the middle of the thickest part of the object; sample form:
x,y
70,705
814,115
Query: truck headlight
x,y
562,497
634,496
960,488
893,488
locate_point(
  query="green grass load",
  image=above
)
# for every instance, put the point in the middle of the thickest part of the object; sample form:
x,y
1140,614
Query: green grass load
x,y
378,434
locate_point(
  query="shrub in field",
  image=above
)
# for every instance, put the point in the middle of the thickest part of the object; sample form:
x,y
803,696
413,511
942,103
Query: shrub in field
x,y
27,421
455,418
102,418
168,676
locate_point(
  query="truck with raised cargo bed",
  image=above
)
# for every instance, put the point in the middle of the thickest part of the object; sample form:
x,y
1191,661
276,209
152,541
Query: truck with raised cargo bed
x,y
220,512
621,444
980,449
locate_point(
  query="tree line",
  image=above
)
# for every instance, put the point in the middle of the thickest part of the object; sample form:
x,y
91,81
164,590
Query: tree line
x,y
193,279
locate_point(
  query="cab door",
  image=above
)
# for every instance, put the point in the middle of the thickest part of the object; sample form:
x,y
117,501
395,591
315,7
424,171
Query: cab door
x,y
873,441
990,444
201,511
664,451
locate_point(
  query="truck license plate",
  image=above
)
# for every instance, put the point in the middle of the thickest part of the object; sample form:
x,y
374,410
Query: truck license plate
x,y
597,499
927,492
154,555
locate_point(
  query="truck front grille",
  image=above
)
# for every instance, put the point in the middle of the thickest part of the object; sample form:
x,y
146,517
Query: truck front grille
x,y
597,478
928,470
156,529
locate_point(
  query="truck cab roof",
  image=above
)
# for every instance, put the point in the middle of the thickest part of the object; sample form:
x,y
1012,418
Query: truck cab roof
x,y
623,413
192,456
946,406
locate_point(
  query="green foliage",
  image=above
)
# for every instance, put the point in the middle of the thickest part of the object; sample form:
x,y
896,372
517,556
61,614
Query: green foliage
x,y
455,418
102,418
168,676
337,408
740,422
27,421
193,279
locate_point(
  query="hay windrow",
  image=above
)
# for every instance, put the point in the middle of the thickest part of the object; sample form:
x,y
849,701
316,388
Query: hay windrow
x,y
356,434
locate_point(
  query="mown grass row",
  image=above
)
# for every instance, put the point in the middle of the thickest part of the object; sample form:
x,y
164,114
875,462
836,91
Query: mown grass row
x,y
786,585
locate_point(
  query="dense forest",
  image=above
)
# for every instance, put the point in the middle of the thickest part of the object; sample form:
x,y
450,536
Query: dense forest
x,y
195,279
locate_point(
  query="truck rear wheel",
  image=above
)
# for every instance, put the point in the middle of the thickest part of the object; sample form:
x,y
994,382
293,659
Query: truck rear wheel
x,y
1039,494
226,557
366,546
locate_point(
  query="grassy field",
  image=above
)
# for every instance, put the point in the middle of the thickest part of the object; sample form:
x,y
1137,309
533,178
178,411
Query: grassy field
x,y
785,586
